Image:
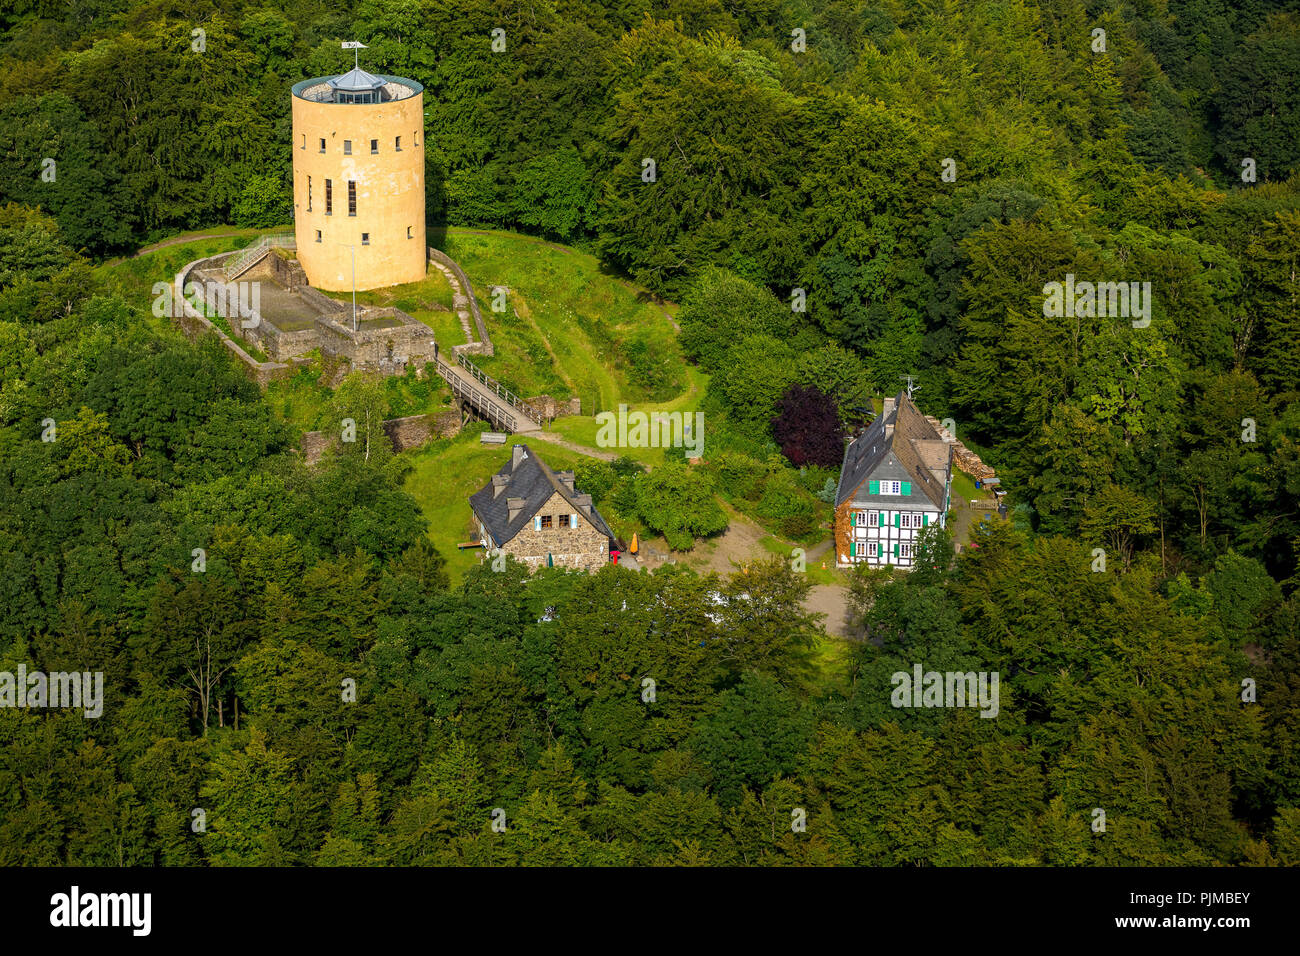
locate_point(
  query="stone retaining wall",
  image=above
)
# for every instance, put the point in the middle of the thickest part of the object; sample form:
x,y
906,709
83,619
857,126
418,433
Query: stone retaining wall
x,y
550,408
287,272
194,324
484,344
413,431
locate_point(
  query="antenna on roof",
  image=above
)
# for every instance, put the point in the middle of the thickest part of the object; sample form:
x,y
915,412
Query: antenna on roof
x,y
910,387
354,46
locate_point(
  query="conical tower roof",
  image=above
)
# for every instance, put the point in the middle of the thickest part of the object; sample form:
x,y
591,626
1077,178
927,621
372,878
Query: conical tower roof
x,y
357,81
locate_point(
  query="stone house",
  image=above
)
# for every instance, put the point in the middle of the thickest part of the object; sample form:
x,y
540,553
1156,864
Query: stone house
x,y
537,516
896,481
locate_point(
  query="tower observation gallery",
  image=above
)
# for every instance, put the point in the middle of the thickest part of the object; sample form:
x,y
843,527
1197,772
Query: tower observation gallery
x,y
358,180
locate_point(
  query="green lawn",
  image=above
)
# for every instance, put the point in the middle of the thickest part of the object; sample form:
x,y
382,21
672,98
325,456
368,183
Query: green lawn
x,y
583,429
963,488
812,567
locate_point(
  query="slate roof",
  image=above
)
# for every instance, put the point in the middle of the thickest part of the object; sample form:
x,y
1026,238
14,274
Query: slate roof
x,y
533,481
913,452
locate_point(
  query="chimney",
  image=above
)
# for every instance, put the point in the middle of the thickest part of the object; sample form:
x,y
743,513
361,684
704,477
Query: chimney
x,y
520,453
515,505
499,483
583,502
565,478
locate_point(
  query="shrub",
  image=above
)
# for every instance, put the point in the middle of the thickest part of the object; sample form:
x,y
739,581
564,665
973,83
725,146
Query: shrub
x,y
787,505
739,475
677,501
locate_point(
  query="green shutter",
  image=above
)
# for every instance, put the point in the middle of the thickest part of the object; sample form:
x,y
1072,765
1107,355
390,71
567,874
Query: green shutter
x,y
853,550
907,487
853,519
925,519
895,549
897,519
874,486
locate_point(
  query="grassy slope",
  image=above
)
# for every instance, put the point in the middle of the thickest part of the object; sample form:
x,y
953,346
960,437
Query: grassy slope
x,y
571,317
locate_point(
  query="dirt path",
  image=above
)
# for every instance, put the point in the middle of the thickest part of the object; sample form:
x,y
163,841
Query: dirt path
x,y
180,240
555,439
834,603
739,545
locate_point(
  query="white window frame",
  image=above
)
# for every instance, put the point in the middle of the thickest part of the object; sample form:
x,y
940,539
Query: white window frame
x,y
905,550
873,519
888,487
873,549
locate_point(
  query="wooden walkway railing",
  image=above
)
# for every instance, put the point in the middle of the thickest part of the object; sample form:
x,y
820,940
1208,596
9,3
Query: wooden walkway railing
x,y
477,398
499,390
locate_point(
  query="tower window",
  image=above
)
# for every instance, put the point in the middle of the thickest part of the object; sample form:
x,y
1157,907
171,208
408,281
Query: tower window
x,y
309,194
374,146
365,238
408,233
304,141
399,144
329,197
352,198
322,144
347,147
416,137
318,235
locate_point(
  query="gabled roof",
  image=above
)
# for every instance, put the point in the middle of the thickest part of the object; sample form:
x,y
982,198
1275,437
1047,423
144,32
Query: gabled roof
x,y
530,479
900,443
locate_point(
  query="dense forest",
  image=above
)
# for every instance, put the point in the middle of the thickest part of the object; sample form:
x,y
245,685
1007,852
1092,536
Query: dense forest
x,y
312,689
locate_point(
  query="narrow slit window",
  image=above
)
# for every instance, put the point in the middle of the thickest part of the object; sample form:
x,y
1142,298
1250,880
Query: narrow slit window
x,y
329,197
408,233
309,194
322,144
374,146
318,235
347,147
352,198
399,144
304,141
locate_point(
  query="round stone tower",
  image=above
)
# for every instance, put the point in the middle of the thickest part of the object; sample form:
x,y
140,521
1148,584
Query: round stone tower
x,y
358,180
